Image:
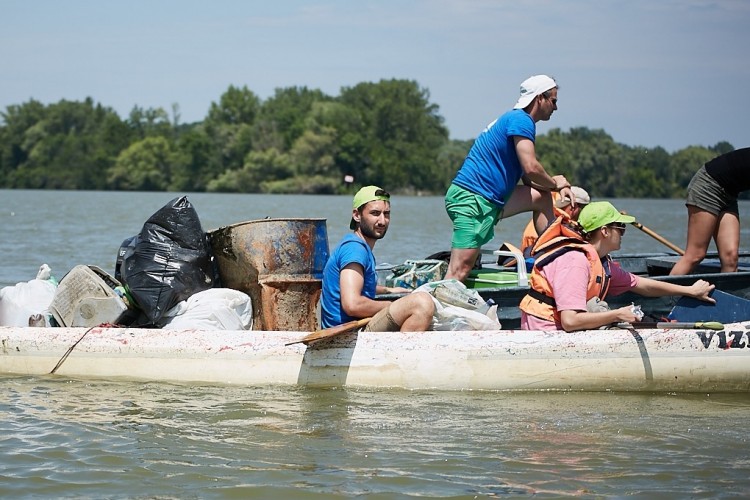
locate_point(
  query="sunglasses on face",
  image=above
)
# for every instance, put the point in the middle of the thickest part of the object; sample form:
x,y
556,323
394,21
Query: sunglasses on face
x,y
619,226
553,100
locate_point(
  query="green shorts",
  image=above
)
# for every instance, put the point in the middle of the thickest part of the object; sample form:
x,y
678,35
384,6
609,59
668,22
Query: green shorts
x,y
474,217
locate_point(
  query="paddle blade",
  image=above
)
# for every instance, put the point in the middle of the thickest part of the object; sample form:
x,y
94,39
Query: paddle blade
x,y
710,325
331,332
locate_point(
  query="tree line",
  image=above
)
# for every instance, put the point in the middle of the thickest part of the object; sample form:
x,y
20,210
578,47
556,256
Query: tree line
x,y
301,140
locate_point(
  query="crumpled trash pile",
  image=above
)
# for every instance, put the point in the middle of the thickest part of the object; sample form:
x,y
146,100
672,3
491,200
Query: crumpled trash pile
x,y
165,277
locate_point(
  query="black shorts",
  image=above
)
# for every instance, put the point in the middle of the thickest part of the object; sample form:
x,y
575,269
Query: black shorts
x,y
705,193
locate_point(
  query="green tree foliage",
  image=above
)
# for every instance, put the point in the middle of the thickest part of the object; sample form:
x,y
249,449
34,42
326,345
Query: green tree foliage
x,y
593,160
150,122
17,120
402,131
722,148
144,166
301,140
345,126
195,160
236,106
648,174
586,157
449,159
68,145
259,169
685,162
229,127
287,111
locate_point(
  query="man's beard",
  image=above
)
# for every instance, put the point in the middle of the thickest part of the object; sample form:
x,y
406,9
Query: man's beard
x,y
368,231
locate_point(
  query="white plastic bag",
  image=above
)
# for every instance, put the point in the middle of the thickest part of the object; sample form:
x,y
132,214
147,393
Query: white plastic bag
x,y
23,300
212,309
470,315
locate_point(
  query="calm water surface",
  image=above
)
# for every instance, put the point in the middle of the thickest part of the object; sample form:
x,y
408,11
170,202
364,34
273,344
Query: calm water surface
x,y
97,439
67,228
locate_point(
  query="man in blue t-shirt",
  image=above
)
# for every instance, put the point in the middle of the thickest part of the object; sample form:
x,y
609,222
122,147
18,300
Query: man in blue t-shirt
x,y
486,189
350,280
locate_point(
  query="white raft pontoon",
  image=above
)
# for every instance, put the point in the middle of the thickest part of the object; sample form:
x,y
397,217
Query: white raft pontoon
x,y
677,360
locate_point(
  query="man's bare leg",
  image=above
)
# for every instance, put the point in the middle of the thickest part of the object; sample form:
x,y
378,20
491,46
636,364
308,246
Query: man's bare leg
x,y
528,199
461,263
413,312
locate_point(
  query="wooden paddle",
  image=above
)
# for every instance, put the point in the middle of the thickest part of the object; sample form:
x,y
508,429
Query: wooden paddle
x,y
331,332
656,236
667,325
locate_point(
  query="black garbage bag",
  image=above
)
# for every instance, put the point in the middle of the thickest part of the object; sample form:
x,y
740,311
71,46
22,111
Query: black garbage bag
x,y
168,261
126,248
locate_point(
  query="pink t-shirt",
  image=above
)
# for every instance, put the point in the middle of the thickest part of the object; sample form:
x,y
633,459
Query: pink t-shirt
x,y
568,276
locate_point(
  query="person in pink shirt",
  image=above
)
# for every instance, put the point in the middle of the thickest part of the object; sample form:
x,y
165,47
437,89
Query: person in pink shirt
x,y
573,273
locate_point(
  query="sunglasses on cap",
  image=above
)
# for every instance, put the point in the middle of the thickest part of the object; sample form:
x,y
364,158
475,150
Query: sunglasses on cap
x,y
383,193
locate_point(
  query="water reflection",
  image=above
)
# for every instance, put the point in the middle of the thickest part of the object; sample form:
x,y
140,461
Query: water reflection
x,y
102,438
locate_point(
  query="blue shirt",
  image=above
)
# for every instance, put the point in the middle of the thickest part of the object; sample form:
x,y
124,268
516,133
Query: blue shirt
x,y
351,250
491,169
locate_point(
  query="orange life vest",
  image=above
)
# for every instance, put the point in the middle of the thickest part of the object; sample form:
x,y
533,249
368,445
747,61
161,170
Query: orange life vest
x,y
560,237
529,236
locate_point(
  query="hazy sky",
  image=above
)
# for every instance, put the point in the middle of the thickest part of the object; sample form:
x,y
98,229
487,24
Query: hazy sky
x,y
669,73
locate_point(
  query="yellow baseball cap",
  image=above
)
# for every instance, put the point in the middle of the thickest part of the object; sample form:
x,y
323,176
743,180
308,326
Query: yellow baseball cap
x,y
366,195
600,213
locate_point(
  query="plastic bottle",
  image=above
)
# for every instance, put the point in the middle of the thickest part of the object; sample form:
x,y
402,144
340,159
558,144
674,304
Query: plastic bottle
x,y
452,296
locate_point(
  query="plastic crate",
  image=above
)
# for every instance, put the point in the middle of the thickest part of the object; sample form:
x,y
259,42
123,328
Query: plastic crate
x,y
499,277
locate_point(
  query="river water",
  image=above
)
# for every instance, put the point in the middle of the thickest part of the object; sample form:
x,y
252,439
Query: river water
x,y
98,439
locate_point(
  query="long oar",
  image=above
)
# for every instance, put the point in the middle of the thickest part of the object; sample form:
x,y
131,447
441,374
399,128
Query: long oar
x,y
656,236
667,325
331,332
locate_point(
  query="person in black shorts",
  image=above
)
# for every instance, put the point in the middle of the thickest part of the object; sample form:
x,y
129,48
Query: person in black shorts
x,y
712,210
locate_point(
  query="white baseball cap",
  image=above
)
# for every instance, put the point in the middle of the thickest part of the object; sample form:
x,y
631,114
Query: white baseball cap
x,y
532,87
581,196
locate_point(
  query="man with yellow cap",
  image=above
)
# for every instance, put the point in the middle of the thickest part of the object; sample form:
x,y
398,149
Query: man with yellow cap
x,y
350,279
572,270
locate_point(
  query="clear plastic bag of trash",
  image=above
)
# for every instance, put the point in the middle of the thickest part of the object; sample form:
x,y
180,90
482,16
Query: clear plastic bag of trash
x,y
458,308
18,303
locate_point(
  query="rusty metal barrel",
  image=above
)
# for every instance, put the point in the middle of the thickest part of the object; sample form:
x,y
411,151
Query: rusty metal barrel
x,y
279,264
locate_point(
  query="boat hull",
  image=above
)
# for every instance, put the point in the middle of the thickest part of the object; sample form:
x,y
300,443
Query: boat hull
x,y
617,360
